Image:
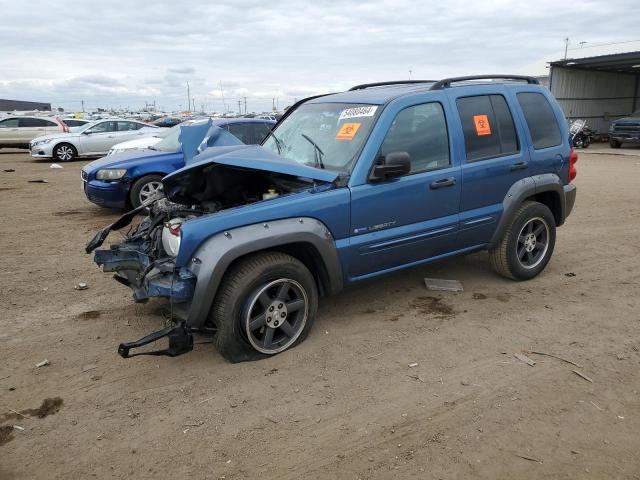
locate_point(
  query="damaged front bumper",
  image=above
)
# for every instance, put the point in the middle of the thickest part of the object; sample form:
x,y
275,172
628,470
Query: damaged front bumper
x,y
146,277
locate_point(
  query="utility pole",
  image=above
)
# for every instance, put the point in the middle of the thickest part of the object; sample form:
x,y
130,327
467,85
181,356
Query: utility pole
x,y
239,107
410,74
566,47
188,97
193,101
245,105
224,105
273,104
82,101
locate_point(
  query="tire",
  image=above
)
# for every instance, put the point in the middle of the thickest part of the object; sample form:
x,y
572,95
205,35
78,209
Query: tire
x,y
614,143
142,188
65,152
247,312
520,256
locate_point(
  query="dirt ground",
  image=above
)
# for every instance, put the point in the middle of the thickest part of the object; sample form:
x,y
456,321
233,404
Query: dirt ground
x,y
345,404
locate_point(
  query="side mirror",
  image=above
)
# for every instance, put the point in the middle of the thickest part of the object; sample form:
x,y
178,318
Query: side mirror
x,y
86,132
392,165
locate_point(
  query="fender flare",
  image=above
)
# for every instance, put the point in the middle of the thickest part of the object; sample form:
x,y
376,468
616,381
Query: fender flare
x,y
521,190
214,256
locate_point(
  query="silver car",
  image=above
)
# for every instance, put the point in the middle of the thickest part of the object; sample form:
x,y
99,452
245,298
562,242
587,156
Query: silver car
x,y
92,140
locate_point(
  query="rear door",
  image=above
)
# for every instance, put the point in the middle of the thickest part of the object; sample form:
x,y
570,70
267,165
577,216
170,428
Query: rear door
x,y
494,158
407,220
31,128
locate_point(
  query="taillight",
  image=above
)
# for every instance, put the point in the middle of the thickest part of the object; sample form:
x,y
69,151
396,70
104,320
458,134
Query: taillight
x,y
573,158
65,127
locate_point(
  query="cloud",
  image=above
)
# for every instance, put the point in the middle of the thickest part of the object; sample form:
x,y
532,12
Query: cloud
x,y
120,53
181,70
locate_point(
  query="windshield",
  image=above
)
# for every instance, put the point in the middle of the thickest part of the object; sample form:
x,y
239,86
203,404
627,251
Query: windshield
x,y
323,135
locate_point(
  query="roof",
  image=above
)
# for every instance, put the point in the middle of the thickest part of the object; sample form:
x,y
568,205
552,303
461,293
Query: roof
x,y
617,63
374,95
225,121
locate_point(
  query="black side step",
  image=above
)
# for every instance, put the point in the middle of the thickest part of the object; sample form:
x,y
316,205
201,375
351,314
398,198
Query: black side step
x,y
180,342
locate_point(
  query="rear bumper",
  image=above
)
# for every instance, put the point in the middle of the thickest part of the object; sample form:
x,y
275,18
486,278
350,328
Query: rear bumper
x,y
569,199
107,194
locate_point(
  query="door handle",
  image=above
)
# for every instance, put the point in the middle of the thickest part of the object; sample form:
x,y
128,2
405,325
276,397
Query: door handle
x,y
519,166
443,182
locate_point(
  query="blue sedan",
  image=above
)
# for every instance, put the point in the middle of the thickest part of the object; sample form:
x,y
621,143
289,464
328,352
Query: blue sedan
x,y
125,180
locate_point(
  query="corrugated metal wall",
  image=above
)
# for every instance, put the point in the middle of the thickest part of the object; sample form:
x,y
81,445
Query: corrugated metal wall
x,y
598,97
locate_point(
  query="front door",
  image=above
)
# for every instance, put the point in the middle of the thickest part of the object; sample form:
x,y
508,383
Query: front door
x,y
99,138
406,220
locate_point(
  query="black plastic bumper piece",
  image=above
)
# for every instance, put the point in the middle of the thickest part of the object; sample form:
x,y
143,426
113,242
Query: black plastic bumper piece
x,y
180,342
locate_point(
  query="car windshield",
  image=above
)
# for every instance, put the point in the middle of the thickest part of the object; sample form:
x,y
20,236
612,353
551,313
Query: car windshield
x,y
171,140
323,135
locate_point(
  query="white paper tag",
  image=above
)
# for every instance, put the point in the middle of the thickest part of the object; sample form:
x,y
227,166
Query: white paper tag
x,y
355,112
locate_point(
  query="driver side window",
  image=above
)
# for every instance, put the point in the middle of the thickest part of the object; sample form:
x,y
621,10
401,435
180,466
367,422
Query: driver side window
x,y
103,127
421,131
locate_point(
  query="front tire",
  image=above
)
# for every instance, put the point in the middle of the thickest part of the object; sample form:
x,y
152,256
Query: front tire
x,y
143,188
65,152
528,243
266,304
614,143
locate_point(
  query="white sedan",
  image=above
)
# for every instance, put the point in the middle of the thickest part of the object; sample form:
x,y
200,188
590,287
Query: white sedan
x,y
92,140
140,143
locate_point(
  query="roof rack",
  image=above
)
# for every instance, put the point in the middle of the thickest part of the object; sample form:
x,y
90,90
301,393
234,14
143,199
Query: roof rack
x,y
395,82
445,83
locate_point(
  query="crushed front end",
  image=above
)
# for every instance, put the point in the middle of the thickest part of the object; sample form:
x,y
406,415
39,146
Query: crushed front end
x,y
145,262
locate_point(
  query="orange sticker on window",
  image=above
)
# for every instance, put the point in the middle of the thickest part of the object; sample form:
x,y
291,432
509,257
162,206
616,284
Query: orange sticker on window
x,y
348,131
482,125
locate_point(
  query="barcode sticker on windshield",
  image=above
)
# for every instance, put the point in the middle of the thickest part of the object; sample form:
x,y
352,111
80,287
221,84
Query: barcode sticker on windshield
x,y
357,112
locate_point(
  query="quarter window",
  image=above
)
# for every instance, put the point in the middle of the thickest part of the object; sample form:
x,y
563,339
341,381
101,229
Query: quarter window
x,y
541,121
488,127
421,131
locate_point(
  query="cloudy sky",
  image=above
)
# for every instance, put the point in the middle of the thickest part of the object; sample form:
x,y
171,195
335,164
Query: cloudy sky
x,y
126,53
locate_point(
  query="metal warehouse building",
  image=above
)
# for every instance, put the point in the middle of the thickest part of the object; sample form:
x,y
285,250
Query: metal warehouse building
x,y
22,106
599,89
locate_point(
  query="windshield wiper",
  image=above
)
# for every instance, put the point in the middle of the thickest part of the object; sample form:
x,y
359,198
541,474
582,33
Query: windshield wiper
x,y
278,141
318,151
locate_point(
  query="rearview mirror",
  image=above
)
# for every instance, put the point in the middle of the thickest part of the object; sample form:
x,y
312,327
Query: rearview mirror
x,y
391,165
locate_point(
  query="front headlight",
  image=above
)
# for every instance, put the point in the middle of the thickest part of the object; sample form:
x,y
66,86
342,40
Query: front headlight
x,y
111,174
42,142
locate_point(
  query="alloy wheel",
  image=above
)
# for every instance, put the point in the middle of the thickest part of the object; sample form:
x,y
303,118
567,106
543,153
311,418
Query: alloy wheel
x,y
147,190
533,243
276,315
64,153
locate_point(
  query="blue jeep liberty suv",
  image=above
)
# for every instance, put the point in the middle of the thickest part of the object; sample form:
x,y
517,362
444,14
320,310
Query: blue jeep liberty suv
x,y
347,186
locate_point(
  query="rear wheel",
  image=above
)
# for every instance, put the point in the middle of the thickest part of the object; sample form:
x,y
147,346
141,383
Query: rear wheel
x,y
614,143
143,188
64,152
266,304
528,243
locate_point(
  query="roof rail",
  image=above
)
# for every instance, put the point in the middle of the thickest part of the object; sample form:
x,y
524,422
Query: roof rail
x,y
395,82
445,83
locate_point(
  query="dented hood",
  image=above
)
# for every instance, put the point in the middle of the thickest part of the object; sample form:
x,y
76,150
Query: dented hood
x,y
252,157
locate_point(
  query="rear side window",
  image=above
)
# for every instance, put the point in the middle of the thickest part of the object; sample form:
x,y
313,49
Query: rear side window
x,y
541,121
488,127
241,131
128,126
37,122
261,130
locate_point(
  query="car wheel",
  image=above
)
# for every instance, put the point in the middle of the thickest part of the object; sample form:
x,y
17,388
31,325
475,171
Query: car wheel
x,y
614,143
64,152
266,304
528,243
143,188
